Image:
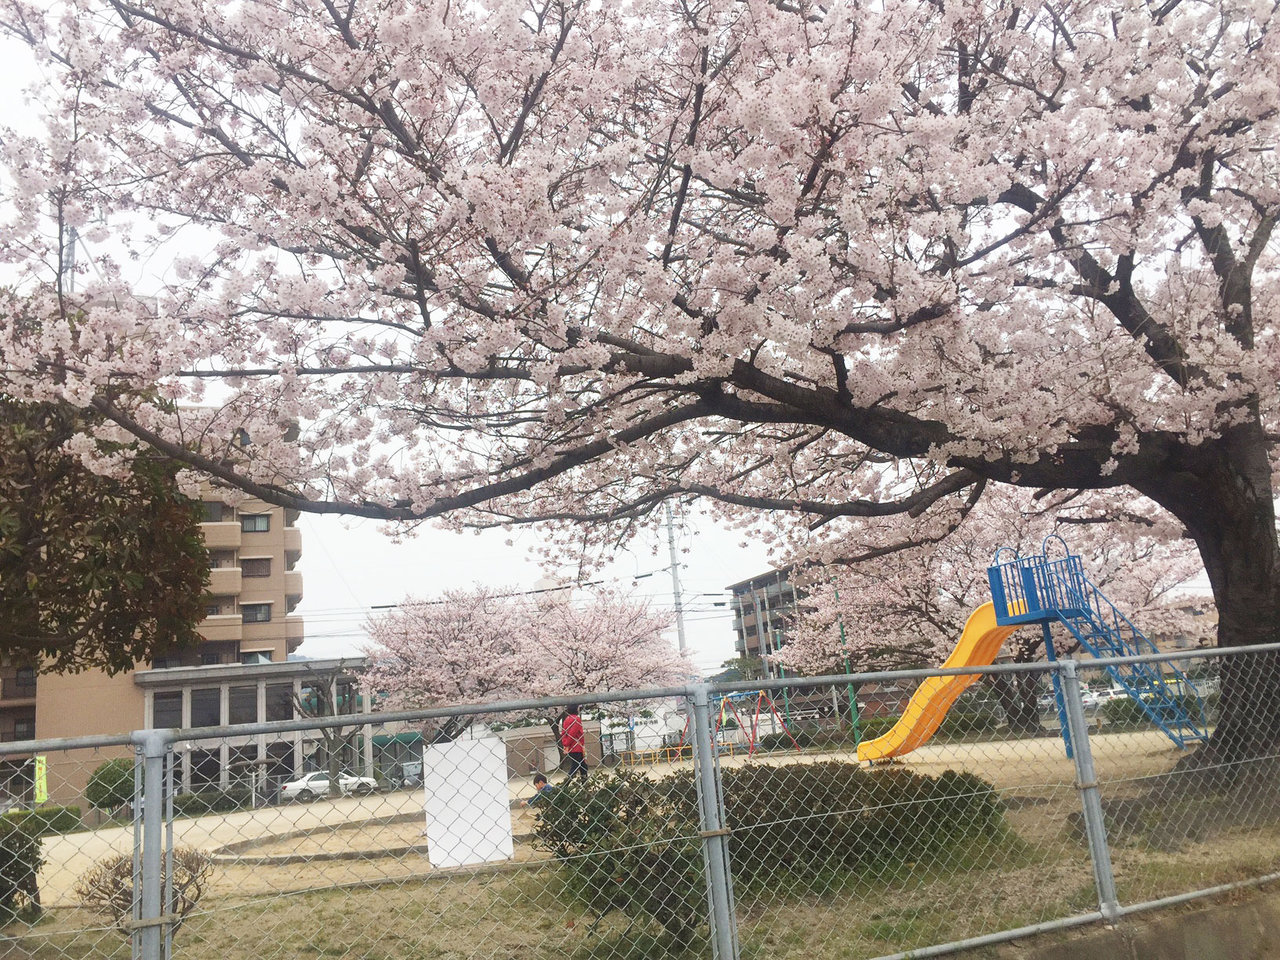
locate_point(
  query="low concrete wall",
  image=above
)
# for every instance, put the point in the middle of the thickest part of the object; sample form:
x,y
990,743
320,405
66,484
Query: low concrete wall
x,y
1239,926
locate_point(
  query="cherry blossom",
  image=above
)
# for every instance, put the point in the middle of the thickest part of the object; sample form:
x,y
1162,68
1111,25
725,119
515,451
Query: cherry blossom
x,y
472,646
557,261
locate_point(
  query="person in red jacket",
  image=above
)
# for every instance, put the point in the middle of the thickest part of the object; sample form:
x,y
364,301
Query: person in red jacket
x,y
574,741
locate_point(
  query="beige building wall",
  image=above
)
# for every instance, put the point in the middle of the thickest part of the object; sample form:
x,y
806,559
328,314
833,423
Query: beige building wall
x,y
254,586
77,705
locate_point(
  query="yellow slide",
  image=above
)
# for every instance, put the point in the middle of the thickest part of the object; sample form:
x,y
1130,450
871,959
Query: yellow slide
x,y
978,646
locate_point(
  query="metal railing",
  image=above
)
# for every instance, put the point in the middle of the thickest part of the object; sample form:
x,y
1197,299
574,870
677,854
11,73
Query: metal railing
x,y
208,843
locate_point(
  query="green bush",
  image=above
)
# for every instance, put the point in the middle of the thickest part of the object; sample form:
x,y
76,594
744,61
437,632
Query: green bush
x,y
46,820
782,741
1125,712
212,800
1128,712
20,860
111,784
873,727
959,724
631,844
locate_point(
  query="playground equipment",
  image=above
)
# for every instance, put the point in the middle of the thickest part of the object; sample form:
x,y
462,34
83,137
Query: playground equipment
x,y
1036,589
727,706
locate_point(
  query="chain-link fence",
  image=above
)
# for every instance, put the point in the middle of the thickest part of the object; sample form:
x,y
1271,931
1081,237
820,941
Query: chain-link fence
x,y
730,820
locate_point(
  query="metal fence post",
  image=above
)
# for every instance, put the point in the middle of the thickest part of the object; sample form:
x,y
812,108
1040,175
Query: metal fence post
x,y
147,934
715,838
1090,799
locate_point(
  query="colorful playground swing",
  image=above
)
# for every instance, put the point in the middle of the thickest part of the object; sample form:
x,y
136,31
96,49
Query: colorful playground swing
x,y
726,706
1036,589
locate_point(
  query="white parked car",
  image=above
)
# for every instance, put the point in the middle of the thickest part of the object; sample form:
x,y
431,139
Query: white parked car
x,y
315,785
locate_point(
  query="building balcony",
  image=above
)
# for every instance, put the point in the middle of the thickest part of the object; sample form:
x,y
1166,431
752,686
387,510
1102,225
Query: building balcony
x,y
221,628
13,690
224,582
293,585
221,536
294,632
292,544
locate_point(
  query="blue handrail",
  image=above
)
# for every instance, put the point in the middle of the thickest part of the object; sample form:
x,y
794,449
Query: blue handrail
x,y
1036,589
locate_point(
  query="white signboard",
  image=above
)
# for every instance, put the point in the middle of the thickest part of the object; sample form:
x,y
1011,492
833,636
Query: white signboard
x,y
468,808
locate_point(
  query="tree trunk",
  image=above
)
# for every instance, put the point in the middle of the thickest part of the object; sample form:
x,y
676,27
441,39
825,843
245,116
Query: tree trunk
x,y
1225,500
1019,697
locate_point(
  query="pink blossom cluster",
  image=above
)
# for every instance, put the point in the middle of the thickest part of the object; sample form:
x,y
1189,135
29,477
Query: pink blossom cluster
x,y
478,645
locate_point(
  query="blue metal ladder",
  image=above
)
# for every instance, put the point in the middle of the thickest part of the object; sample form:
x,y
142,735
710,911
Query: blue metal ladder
x,y
1036,589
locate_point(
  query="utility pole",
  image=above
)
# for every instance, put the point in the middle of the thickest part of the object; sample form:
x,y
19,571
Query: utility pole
x,y
675,577
69,258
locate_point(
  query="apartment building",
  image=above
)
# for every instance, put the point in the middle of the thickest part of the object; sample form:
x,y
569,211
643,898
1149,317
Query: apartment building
x,y
254,550
762,607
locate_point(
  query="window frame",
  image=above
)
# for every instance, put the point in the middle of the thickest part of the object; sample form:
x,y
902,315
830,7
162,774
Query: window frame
x,y
245,566
244,618
255,523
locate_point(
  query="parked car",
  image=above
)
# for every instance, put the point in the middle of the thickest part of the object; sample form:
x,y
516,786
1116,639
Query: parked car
x,y
317,785
408,774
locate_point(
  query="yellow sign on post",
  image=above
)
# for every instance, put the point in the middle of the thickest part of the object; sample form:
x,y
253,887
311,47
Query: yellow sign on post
x,y
42,780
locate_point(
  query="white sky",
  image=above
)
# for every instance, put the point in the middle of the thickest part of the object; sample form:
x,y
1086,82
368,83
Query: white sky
x,y
349,567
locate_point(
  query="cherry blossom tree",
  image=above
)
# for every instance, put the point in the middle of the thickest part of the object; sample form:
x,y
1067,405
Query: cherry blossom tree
x,y
560,260
476,645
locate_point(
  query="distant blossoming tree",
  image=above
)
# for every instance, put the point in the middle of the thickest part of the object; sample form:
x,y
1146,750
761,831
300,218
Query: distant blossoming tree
x,y
482,645
517,262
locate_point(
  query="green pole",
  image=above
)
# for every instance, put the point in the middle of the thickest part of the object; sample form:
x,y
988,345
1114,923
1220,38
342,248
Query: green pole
x,y
853,698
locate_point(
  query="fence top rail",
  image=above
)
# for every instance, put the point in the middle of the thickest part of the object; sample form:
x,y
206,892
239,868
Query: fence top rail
x,y
57,744
1039,666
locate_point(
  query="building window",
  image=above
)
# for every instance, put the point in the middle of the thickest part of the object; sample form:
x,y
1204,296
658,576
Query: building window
x,y
214,512
205,769
255,612
209,657
242,705
255,523
213,610
206,707
24,728
280,701
255,567
166,709
25,678
242,762
255,656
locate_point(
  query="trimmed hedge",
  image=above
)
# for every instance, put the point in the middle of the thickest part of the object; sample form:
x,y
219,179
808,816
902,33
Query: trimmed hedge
x,y
200,802
43,821
629,843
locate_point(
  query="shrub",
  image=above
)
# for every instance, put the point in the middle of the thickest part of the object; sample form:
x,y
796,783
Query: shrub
x,y
1125,712
629,843
211,800
782,741
111,784
873,727
46,820
965,723
20,861
107,888
1128,712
